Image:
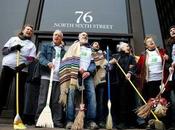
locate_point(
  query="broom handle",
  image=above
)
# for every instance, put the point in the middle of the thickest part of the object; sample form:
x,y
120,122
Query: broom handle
x,y
136,90
82,91
17,84
50,84
109,94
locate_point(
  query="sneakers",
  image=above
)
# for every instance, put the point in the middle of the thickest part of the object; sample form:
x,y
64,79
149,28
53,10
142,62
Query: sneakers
x,y
69,125
58,125
92,125
101,125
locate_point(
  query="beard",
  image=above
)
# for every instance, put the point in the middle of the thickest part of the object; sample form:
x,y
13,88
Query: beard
x,y
83,41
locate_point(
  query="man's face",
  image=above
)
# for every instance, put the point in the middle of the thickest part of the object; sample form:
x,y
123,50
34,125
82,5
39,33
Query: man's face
x,y
96,45
172,32
57,38
83,37
28,31
150,44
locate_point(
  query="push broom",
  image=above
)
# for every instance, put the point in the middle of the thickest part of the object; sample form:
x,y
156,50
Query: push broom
x,y
17,124
158,124
45,118
109,123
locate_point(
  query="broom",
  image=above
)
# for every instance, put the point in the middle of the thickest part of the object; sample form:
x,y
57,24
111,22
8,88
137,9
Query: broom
x,y
45,118
17,123
109,123
157,123
160,109
79,120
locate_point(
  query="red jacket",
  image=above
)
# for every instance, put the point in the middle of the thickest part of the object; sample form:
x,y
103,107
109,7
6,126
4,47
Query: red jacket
x,y
142,68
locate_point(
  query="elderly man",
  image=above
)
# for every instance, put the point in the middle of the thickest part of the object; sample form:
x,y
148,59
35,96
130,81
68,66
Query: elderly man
x,y
77,66
50,51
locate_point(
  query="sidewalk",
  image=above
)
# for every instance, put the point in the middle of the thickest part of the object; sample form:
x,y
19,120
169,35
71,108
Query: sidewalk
x,y
7,124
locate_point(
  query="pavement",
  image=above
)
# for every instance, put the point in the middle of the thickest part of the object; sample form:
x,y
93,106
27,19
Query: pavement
x,y
7,124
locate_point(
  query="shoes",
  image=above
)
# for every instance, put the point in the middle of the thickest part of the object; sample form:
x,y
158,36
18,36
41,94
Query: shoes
x,y
101,125
171,128
58,125
121,126
142,126
92,126
69,125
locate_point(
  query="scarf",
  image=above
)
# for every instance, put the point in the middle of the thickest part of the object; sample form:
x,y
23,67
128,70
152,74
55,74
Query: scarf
x,y
100,62
22,37
69,68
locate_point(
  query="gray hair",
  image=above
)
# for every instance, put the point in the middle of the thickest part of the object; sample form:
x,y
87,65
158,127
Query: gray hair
x,y
59,31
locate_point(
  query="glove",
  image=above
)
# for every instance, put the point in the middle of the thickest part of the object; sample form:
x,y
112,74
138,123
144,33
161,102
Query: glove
x,y
20,67
107,67
16,47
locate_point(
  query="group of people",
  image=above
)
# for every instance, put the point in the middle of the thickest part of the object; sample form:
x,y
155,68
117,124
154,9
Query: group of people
x,y
85,65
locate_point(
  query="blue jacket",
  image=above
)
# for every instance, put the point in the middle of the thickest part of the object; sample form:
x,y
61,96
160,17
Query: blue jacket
x,y
46,56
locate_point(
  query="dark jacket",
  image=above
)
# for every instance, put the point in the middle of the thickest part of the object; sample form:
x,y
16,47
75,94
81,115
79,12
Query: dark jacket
x,y
127,62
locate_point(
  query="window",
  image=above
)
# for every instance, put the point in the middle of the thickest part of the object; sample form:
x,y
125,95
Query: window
x,y
12,14
96,16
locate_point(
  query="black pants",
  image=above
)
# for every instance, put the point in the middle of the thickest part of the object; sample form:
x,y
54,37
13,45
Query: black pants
x,y
6,80
56,108
123,103
151,89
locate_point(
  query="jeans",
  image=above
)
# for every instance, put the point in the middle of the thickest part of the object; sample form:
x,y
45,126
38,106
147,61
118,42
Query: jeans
x,y
101,95
90,101
173,106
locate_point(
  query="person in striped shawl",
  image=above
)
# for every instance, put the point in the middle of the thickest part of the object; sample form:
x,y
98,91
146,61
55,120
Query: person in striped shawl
x,y
100,83
78,66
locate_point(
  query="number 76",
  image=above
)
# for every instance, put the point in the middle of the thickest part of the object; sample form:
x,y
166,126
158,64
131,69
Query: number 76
x,y
87,18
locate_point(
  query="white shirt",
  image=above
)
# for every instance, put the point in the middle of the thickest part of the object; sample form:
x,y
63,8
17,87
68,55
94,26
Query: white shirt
x,y
28,50
85,57
154,66
173,53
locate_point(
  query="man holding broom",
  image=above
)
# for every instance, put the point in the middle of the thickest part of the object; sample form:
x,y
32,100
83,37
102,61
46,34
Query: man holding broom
x,y
49,51
77,66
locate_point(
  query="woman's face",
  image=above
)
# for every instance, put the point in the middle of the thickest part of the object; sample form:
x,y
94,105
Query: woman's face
x,y
125,48
28,31
172,32
150,44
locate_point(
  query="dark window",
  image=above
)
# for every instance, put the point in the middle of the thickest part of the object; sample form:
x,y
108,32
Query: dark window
x,y
96,16
12,14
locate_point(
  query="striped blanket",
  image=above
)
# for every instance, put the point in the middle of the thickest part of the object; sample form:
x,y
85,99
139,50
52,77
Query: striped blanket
x,y
69,71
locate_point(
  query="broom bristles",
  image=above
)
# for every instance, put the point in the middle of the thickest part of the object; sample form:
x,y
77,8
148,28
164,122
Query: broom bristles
x,y
79,121
109,123
18,124
144,111
45,118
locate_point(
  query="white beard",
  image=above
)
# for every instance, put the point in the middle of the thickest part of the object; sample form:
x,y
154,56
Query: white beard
x,y
83,41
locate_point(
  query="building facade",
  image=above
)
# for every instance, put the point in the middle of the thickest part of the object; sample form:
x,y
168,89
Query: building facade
x,y
108,22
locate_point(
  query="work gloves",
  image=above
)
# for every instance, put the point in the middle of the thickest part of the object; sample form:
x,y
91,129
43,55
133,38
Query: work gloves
x,y
16,47
20,67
